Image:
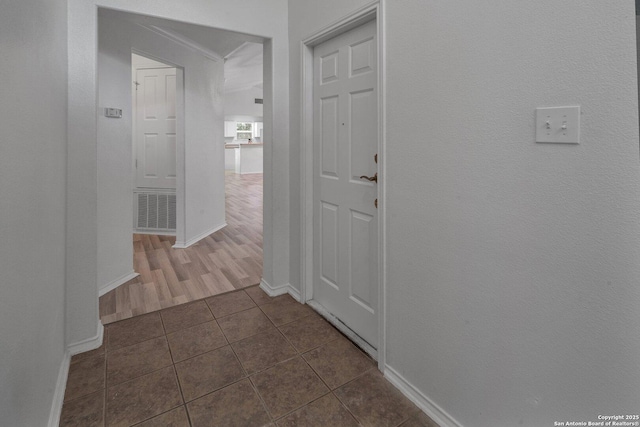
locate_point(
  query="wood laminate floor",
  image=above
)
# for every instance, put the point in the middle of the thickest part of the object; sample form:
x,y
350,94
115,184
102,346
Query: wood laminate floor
x,y
224,261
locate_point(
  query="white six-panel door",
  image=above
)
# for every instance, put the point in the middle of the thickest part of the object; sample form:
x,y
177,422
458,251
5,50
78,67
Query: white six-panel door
x,y
345,226
155,128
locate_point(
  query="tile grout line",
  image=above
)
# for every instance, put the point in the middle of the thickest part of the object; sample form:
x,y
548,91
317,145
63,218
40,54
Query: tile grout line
x,y
264,404
175,371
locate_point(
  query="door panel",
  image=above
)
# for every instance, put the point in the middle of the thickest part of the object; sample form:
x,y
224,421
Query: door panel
x,y
329,243
345,223
150,161
362,107
155,136
329,136
362,231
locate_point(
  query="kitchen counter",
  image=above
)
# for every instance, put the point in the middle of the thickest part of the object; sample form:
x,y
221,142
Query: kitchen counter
x,y
244,158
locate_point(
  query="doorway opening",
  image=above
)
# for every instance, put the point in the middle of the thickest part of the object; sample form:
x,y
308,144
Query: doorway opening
x,y
191,237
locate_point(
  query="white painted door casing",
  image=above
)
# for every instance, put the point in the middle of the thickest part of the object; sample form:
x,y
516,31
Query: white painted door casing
x,y
155,138
345,225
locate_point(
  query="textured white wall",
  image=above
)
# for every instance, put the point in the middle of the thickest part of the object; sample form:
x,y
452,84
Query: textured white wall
x,y
267,19
513,266
242,103
203,148
33,111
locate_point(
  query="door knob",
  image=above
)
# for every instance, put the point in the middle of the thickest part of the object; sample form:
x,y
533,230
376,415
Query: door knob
x,y
373,178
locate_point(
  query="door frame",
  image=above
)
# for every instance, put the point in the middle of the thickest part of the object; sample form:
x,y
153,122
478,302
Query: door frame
x,y
372,11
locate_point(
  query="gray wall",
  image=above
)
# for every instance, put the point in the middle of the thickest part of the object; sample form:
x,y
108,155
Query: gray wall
x,y
33,111
512,266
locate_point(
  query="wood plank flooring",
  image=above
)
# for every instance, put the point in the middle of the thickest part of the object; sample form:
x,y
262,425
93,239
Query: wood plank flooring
x,y
226,260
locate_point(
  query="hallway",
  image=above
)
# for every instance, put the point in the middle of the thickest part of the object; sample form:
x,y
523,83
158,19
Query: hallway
x,y
224,261
238,359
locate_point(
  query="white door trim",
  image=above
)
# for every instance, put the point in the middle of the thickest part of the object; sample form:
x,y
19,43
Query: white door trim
x,y
367,13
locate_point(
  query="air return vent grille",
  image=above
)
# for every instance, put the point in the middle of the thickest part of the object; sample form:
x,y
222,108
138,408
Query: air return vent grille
x,y
156,211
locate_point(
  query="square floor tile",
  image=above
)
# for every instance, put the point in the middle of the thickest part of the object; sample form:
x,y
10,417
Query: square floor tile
x,y
143,398
134,330
326,411
338,362
174,418
288,386
224,305
310,332
136,360
208,372
419,420
258,295
285,309
185,315
262,351
196,340
86,411
236,405
245,324
85,377
374,401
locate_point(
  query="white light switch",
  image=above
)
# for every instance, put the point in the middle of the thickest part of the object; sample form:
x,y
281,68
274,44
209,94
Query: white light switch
x,y
114,113
559,125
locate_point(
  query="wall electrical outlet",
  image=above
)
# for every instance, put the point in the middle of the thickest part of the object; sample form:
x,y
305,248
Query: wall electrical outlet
x,y
558,125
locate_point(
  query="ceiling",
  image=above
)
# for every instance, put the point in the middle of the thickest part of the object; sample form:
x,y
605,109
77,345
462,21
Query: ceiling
x,y
242,52
243,68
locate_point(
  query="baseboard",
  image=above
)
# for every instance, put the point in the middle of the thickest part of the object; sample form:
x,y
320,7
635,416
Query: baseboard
x,y
280,290
194,240
63,372
436,413
88,344
58,393
115,283
154,232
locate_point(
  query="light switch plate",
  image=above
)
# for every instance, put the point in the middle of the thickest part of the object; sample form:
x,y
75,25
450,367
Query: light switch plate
x,y
558,125
114,113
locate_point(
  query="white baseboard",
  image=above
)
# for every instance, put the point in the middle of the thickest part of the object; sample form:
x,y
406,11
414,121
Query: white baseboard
x,y
58,393
436,413
63,372
196,239
280,290
117,282
88,344
154,232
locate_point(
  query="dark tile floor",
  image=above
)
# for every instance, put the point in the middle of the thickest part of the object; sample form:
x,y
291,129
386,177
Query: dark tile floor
x,y
239,359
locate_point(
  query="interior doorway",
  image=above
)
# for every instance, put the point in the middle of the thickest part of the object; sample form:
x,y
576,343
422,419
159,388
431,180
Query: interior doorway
x,y
181,65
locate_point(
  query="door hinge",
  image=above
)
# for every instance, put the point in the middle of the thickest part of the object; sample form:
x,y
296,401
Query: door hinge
x,y
136,163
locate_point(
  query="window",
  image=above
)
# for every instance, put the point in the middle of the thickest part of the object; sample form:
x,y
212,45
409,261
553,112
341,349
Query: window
x,y
244,130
